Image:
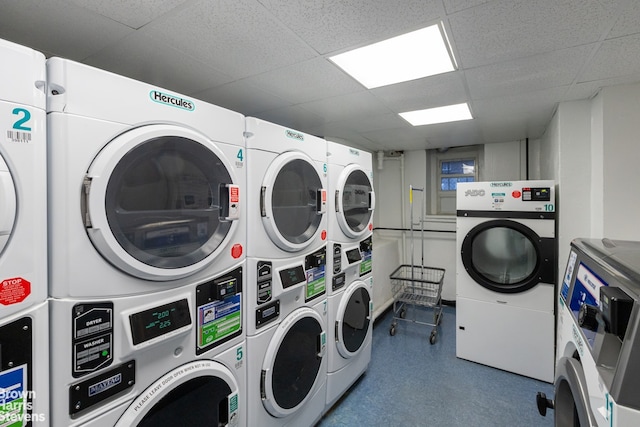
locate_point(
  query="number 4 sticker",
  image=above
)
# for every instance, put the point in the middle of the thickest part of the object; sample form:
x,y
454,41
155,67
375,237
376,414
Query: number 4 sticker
x,y
240,155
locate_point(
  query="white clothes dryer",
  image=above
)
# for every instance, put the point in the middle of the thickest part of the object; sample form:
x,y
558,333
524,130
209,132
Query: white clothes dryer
x,y
350,330
598,359
287,367
287,191
23,185
506,275
146,186
174,359
24,367
351,195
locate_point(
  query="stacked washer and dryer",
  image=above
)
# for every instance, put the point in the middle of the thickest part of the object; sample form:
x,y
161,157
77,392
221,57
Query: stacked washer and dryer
x,y
286,286
506,275
24,349
349,276
147,233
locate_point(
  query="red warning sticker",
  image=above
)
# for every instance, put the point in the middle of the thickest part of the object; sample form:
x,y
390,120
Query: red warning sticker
x,y
324,195
234,194
370,226
323,235
15,290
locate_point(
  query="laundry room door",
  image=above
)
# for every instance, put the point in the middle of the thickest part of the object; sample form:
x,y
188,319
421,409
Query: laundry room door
x,y
199,393
353,319
7,204
293,361
506,256
159,200
292,201
354,201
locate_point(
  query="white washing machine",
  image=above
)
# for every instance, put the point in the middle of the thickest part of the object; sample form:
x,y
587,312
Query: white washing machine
x,y
139,361
286,283
349,277
145,185
23,193
598,359
24,367
506,275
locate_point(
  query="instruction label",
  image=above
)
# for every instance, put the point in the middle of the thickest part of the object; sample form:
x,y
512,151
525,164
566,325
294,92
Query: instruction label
x,y
316,284
219,319
14,397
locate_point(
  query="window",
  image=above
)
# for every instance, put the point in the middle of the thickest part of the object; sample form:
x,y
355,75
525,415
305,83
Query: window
x,y
454,171
448,167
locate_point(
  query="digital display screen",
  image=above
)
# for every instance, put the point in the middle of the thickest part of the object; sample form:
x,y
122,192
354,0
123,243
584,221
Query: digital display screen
x,y
536,194
158,321
354,256
292,276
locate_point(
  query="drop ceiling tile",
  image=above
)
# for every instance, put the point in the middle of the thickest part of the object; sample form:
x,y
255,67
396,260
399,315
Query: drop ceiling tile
x,y
133,13
236,37
453,6
242,97
628,23
588,90
58,27
306,81
434,91
334,25
615,58
347,107
144,58
293,117
509,29
550,69
372,123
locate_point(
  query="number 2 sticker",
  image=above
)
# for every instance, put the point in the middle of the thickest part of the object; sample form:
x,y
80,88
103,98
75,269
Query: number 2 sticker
x,y
20,123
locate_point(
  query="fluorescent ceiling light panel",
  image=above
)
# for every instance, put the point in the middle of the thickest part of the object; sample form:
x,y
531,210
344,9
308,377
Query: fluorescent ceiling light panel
x,y
410,56
449,113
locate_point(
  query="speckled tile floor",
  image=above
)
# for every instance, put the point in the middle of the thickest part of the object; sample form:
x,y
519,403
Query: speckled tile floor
x,y
413,383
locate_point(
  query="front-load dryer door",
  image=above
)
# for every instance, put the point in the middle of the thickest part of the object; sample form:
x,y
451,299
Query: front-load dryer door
x,y
159,202
8,205
200,393
354,201
293,361
353,320
292,201
508,257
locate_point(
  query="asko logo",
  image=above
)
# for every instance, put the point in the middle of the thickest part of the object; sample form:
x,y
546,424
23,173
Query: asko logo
x,y
474,193
174,101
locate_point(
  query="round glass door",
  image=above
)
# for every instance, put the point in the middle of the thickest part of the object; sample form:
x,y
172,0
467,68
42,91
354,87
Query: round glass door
x,y
503,256
199,393
200,401
354,201
292,362
292,200
354,319
156,199
7,204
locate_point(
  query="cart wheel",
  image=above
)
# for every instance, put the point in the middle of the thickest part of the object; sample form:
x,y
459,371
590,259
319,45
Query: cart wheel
x,y
403,313
432,337
392,331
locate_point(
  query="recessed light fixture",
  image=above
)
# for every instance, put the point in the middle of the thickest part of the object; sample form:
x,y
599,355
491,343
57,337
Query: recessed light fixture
x,y
406,57
449,113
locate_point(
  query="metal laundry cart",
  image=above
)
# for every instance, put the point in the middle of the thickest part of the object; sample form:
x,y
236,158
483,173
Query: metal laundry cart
x,y
417,285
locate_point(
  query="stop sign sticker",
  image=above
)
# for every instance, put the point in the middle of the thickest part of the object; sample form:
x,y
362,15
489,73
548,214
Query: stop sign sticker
x,y
13,291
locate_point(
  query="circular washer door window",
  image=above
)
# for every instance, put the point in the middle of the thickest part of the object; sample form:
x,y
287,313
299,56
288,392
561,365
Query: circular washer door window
x,y
293,362
502,256
293,201
7,204
155,202
354,201
354,319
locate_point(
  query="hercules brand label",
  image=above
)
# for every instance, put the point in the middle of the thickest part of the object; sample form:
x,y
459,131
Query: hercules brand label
x,y
171,100
294,135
